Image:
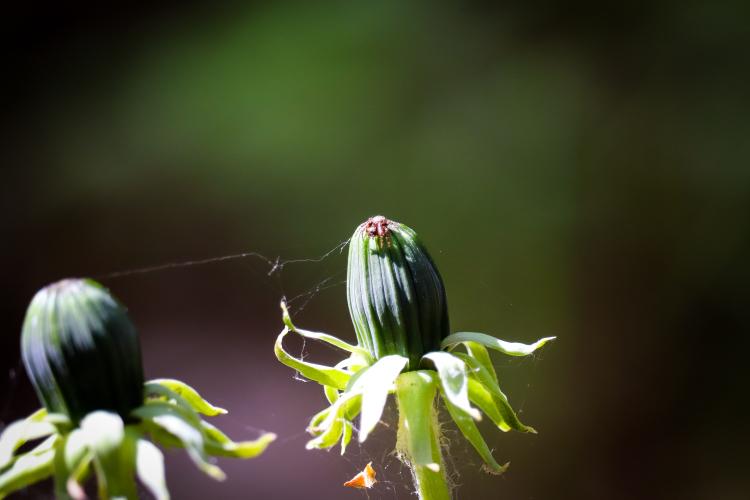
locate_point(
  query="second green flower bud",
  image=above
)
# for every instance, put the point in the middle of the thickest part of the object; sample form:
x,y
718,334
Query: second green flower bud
x,y
81,351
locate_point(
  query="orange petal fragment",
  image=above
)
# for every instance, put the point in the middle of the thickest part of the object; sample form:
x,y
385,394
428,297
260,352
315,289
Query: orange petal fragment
x,y
365,479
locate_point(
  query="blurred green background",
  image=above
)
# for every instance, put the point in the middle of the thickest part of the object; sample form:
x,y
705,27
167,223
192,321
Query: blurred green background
x,y
577,168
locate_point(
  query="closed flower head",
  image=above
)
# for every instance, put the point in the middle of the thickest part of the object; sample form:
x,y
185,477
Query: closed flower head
x,y
396,296
81,350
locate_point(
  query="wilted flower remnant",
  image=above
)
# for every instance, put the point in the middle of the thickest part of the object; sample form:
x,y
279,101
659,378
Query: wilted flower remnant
x,y
363,480
398,305
83,356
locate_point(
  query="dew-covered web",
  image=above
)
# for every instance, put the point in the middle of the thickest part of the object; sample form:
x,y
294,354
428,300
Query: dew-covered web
x,y
298,281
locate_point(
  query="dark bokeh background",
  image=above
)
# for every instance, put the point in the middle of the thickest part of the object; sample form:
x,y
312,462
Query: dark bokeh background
x,y
579,169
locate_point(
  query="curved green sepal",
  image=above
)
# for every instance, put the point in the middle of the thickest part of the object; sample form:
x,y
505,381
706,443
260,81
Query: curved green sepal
x,y
316,423
415,392
242,449
17,433
324,375
324,337
217,443
507,414
347,437
73,457
214,434
354,380
512,348
78,475
61,421
469,429
353,362
485,402
479,352
177,423
27,469
114,461
454,383
70,478
375,385
149,466
332,427
188,394
332,394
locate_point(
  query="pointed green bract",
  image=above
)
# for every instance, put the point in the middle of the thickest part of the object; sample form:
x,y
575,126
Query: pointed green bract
x,y
347,436
18,433
81,350
479,352
27,469
217,443
239,449
113,449
73,464
332,426
214,434
189,394
168,395
512,348
78,474
324,375
485,402
354,363
357,351
502,406
454,383
469,429
179,424
376,384
149,466
332,394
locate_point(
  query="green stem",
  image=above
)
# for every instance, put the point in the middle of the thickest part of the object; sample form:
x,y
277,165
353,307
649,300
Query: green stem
x,y
61,469
418,434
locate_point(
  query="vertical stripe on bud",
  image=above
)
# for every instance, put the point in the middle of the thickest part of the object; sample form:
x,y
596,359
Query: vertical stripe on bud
x,y
396,295
81,350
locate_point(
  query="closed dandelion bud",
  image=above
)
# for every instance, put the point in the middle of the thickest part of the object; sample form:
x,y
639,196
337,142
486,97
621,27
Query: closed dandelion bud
x,y
396,295
81,351
399,309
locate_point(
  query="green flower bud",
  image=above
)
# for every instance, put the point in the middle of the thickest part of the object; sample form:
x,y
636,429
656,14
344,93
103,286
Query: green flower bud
x,y
81,351
396,295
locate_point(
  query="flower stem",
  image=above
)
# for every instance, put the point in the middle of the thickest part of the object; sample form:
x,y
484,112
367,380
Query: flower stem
x,y
418,434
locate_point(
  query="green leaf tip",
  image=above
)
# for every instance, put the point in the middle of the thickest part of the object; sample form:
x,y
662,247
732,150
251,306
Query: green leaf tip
x,y
330,339
375,385
511,348
285,315
485,392
190,395
453,381
324,375
17,433
495,472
